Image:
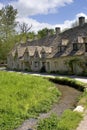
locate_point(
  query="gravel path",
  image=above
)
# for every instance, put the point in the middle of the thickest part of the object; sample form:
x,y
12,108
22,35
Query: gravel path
x,y
67,101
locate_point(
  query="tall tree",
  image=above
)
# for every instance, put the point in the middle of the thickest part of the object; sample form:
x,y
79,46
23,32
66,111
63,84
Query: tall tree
x,y
7,21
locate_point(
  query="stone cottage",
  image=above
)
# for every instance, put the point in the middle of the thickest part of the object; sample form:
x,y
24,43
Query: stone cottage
x,y
62,52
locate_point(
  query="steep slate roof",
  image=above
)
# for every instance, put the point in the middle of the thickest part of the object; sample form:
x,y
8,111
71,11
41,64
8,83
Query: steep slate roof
x,y
31,49
51,43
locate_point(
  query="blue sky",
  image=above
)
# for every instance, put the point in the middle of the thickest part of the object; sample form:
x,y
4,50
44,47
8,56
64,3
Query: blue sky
x,y
48,13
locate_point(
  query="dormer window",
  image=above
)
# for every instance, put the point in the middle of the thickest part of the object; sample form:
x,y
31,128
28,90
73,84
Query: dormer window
x,y
75,47
80,39
61,48
65,42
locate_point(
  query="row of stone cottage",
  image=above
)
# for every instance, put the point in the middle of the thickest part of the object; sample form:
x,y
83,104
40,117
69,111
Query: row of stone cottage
x,y
53,53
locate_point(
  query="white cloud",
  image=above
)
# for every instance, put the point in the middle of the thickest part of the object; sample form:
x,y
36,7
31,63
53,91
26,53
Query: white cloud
x,y
81,14
28,7
1,5
38,26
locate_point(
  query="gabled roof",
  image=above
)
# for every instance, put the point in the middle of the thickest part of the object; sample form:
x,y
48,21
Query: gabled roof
x,y
50,43
31,49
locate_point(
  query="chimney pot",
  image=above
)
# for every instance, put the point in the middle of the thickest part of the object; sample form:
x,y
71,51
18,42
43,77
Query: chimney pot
x,y
81,20
57,30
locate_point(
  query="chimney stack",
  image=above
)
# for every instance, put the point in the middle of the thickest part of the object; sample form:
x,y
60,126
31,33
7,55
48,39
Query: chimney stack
x,y
57,30
81,20
48,32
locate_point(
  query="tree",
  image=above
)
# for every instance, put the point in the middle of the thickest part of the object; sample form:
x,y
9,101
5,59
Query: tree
x,y
44,32
7,30
24,28
7,21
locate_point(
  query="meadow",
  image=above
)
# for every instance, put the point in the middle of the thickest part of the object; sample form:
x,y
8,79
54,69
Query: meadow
x,y
22,97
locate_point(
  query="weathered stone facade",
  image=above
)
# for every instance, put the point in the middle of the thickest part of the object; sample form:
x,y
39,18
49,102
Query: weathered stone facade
x,y
62,52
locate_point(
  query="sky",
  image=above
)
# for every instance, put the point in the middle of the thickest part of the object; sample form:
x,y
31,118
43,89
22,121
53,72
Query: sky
x,y
48,13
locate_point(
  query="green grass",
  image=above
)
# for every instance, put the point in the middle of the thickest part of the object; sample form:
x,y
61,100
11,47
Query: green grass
x,y
22,97
68,121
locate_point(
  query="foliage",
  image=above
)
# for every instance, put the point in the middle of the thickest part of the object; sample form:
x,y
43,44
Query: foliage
x,y
73,61
7,21
22,97
68,121
7,30
44,32
26,36
49,123
6,46
83,99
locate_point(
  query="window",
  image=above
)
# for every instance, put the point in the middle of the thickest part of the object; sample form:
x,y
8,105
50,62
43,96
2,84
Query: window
x,y
59,49
75,47
55,64
48,66
80,39
43,63
36,64
85,47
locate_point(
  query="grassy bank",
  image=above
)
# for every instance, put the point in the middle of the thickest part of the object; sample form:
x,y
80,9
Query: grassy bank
x,y
70,82
76,84
22,97
69,119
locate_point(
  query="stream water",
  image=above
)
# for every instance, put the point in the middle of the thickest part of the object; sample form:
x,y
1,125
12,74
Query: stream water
x,y
68,100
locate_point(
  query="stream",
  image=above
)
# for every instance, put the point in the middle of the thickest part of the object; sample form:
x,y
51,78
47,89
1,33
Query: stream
x,y
68,100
